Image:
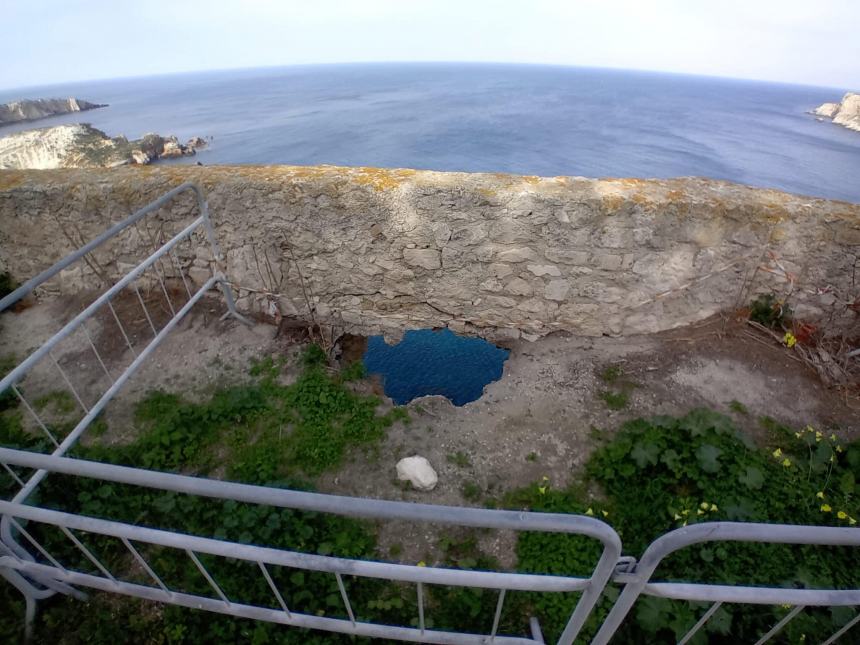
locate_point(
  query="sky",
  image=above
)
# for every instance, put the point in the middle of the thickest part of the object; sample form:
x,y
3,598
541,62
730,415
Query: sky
x,y
792,41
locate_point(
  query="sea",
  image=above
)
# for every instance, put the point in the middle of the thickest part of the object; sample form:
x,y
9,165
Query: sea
x,y
524,119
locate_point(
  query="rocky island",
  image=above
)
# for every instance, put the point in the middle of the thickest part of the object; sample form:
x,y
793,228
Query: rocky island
x,y
83,146
33,109
845,113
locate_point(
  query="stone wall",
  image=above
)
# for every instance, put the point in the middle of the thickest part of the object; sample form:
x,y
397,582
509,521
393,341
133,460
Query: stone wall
x,y
496,255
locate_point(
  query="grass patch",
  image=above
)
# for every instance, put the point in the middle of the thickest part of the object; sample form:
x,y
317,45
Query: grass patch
x,y
460,459
615,400
738,407
471,491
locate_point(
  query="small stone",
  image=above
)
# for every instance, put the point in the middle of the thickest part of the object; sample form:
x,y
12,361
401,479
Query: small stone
x,y
557,290
425,258
518,287
418,472
544,269
517,255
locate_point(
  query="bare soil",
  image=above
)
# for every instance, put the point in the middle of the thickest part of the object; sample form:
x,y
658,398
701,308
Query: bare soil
x,y
543,418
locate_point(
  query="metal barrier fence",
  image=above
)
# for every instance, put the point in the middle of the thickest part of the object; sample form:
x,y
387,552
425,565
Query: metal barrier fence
x,y
34,571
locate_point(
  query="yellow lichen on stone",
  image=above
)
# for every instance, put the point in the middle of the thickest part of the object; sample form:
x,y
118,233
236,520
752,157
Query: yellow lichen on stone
x,y
10,179
382,178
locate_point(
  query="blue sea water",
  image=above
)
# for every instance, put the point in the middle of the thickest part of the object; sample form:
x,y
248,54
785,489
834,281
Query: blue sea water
x,y
429,362
540,120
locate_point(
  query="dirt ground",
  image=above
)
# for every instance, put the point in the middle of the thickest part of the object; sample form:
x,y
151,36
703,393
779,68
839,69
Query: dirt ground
x,y
543,418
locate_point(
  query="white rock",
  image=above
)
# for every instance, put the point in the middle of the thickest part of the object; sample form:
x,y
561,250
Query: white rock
x,y
418,472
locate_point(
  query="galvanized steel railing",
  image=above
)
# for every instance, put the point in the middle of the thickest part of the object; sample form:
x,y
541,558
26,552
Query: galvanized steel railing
x,y
37,573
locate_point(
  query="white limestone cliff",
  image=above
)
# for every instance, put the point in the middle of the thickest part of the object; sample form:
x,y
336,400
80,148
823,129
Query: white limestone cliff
x,y
845,113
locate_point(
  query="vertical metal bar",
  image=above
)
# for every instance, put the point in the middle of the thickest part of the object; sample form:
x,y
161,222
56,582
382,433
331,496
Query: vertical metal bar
x,y
35,416
145,310
12,473
163,288
36,544
178,266
96,352
87,553
206,575
121,329
274,589
700,623
345,598
537,634
421,606
843,631
68,382
778,627
144,564
498,615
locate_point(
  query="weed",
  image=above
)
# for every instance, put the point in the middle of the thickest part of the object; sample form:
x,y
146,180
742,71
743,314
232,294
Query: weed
x,y
355,371
767,310
460,459
471,491
611,374
7,284
738,407
532,456
59,401
615,400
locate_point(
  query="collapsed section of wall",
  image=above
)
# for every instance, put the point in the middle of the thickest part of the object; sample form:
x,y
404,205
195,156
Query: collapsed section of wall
x,y
496,255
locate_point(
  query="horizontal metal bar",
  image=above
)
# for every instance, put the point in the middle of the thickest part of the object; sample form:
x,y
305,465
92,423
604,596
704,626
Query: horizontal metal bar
x,y
76,255
325,564
22,368
260,613
753,595
334,504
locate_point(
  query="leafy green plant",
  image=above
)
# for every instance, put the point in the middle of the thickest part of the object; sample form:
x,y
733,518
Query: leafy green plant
x,y
471,491
769,311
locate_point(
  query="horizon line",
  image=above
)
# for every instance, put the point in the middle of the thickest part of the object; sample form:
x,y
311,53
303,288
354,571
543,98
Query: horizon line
x,y
418,62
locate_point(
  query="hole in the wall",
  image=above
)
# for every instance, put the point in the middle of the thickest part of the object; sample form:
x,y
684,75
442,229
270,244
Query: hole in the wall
x,y
427,362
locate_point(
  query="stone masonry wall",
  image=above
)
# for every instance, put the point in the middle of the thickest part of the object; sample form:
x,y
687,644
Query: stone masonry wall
x,y
490,254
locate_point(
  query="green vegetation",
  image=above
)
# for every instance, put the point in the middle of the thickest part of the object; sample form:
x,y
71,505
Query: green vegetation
x,y
471,491
7,284
618,395
615,400
652,476
738,407
666,472
532,456
460,459
767,310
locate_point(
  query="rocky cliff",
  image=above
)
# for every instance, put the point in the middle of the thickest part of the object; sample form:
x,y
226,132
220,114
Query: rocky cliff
x,y
32,109
489,254
83,146
845,113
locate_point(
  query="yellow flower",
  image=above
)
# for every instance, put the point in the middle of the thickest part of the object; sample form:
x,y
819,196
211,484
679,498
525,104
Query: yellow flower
x,y
789,339
777,453
786,462
686,511
842,515
714,508
838,448
797,434
542,490
832,437
852,521
605,513
825,508
704,506
700,512
820,494
589,511
422,564
677,517
809,429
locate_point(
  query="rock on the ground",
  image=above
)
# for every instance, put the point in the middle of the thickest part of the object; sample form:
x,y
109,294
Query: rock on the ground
x,y
83,146
845,113
32,109
417,471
